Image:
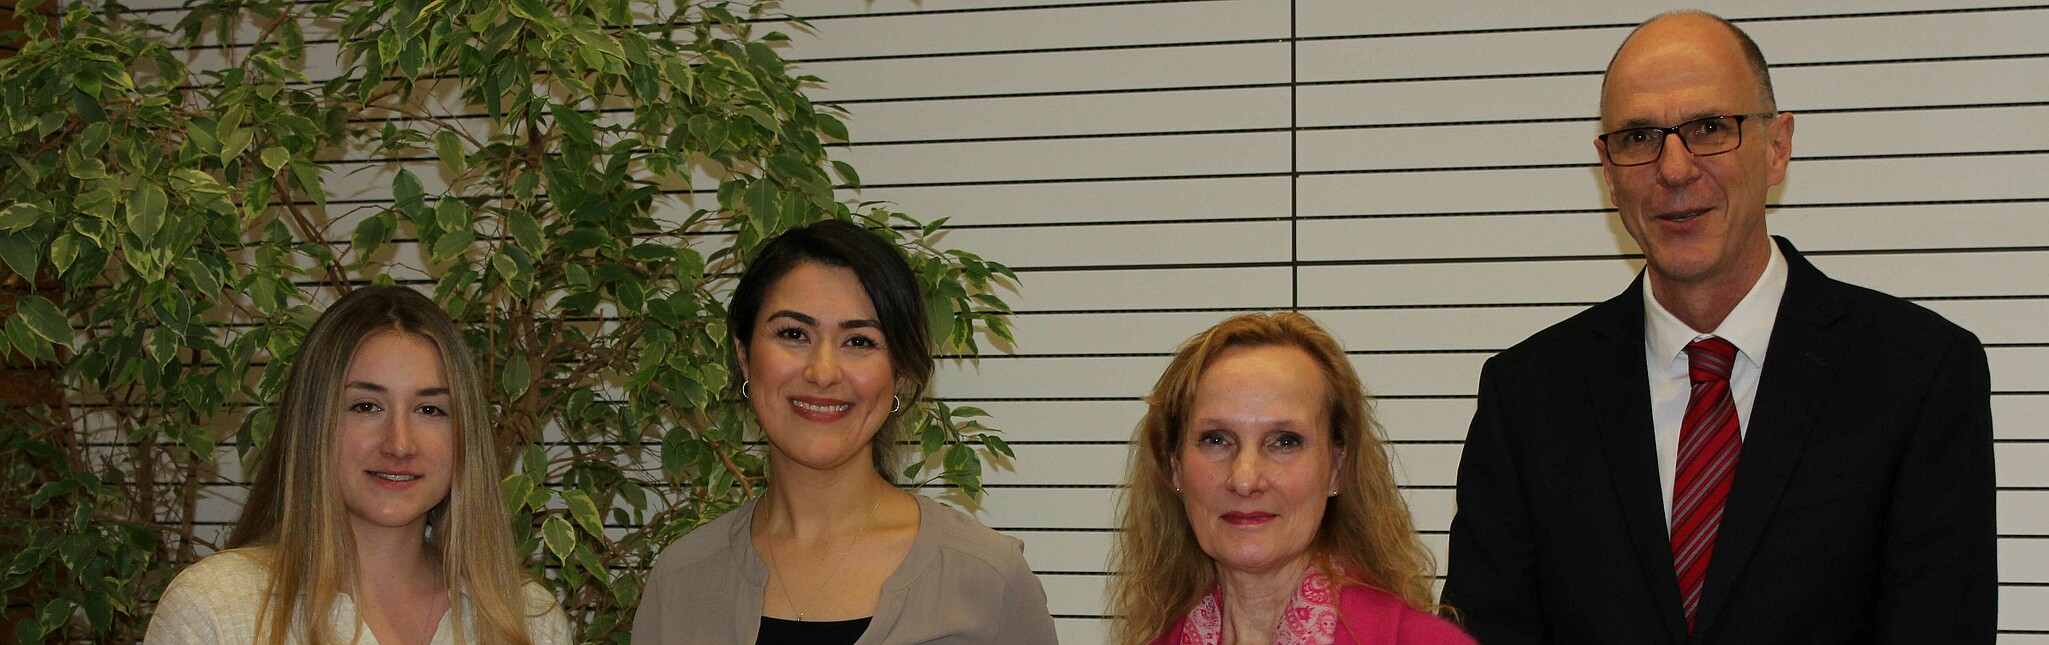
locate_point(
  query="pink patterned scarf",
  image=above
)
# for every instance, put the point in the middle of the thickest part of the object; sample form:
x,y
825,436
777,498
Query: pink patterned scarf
x,y
1310,619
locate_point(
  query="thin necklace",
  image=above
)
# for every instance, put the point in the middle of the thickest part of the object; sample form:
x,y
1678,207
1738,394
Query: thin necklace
x,y
776,572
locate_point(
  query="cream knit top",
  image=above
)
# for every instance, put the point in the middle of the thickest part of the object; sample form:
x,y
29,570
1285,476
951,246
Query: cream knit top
x,y
216,600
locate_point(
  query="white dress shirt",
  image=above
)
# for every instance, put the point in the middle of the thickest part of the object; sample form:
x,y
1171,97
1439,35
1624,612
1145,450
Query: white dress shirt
x,y
1748,327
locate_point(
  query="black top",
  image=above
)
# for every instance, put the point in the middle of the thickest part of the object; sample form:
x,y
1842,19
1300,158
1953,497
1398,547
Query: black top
x,y
778,631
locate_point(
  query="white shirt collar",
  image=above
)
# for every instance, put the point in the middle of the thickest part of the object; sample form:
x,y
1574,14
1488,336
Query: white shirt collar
x,y
1748,326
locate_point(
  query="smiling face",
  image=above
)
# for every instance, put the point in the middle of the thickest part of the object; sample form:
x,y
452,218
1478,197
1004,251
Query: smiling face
x,y
1256,463
818,371
1699,220
397,441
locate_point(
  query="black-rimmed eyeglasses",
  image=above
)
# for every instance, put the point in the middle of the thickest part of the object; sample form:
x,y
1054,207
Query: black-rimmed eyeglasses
x,y
1703,136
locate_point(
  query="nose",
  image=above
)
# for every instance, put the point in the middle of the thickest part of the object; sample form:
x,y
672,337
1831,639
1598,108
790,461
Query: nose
x,y
1248,474
399,442
823,368
1676,164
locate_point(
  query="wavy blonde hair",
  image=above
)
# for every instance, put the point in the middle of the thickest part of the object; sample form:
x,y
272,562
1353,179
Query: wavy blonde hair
x,y
296,523
1365,539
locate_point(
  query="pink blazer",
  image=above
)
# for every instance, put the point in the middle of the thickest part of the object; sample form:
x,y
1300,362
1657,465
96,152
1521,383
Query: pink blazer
x,y
1374,617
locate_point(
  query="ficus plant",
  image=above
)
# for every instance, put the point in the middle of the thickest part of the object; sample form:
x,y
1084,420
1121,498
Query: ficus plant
x,y
577,181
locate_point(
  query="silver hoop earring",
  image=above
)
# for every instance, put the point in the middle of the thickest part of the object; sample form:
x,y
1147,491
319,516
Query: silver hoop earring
x,y
895,403
743,389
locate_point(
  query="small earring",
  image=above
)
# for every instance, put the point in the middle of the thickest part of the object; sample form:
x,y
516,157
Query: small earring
x,y
1333,492
743,389
895,403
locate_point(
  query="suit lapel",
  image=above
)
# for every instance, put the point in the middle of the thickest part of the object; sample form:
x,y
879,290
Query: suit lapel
x,y
1799,369
1620,389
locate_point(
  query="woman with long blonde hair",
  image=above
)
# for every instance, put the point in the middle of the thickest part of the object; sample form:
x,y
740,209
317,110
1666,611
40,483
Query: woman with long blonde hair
x,y
1259,505
375,514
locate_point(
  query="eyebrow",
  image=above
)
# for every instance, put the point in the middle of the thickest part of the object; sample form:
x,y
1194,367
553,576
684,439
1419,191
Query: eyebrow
x,y
1691,117
373,387
808,320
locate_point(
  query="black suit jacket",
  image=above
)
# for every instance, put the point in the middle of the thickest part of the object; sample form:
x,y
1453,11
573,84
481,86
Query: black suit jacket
x,y
1861,511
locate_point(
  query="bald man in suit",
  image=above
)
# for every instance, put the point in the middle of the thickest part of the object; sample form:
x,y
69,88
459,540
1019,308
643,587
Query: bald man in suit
x,y
1737,449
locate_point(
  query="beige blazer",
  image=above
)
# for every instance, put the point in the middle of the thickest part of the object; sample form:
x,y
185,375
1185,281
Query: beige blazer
x,y
961,584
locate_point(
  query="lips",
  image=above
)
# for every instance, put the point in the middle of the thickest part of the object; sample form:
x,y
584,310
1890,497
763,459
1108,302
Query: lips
x,y
820,410
395,480
1247,518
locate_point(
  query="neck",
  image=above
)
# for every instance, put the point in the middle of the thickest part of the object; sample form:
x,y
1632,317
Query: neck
x,y
395,560
806,503
1254,600
1704,304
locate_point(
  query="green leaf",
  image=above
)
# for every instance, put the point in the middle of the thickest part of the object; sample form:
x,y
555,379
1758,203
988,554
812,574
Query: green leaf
x,y
448,147
98,202
275,158
574,124
369,235
64,251
847,174
514,489
21,216
26,341
560,537
514,379
44,318
526,232
534,11
997,444
932,438
234,142
585,511
20,254
406,192
146,209
680,451
831,127
451,214
651,252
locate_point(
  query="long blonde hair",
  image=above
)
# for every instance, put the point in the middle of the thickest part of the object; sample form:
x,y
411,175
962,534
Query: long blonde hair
x,y
1365,539
296,523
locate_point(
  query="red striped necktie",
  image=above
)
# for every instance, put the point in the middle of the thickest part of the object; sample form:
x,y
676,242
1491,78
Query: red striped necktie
x,y
1709,443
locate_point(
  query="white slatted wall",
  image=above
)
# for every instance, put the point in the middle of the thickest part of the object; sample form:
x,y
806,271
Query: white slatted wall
x,y
1421,178
1418,176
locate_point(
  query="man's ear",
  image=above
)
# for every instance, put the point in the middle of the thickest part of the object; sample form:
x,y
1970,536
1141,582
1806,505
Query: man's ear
x,y
1780,131
1607,170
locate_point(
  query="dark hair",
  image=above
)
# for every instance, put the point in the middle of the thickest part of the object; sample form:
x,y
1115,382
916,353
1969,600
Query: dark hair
x,y
1751,54
890,284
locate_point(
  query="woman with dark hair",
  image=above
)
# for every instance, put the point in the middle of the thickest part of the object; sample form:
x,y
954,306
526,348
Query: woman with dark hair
x,y
833,346
375,514
1259,506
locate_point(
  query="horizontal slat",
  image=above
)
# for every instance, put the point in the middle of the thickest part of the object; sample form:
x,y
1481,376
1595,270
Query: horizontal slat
x,y
1107,201
1088,377
1070,114
1341,17
1079,26
1179,155
1455,283
1229,288
1784,42
1847,228
1578,96
1147,244
2024,608
1826,134
1812,181
1074,595
1083,71
1039,421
